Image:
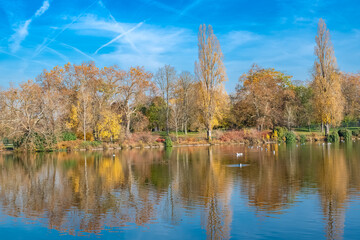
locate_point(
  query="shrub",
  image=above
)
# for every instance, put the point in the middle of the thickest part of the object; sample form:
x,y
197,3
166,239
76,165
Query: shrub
x,y
333,137
68,136
355,132
232,136
342,132
252,136
290,137
160,140
35,142
89,144
347,135
145,137
275,134
168,142
281,132
302,138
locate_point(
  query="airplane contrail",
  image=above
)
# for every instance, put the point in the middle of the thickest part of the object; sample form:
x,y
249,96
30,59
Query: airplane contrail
x,y
119,36
121,28
78,50
45,44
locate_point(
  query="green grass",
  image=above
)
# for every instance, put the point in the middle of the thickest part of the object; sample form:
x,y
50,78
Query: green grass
x,y
305,130
306,133
9,146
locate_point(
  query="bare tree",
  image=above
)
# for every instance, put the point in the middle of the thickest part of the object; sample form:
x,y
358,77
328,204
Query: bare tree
x,y
131,91
185,89
164,79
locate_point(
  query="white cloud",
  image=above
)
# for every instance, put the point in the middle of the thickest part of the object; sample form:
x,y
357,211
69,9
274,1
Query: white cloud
x,y
20,34
23,30
236,39
155,46
42,9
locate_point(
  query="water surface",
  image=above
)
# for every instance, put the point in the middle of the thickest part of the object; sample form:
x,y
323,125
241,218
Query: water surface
x,y
299,192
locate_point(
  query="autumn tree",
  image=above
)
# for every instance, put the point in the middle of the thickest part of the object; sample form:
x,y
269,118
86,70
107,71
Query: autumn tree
x,y
23,114
210,73
351,91
131,92
108,118
264,98
165,79
328,98
82,80
54,99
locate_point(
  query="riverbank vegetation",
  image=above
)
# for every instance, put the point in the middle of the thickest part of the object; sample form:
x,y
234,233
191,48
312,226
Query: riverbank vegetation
x,y
82,106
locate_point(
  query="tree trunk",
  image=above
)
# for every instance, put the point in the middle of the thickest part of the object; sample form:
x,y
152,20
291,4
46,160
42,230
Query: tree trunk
x,y
327,129
176,130
167,118
322,127
185,128
84,126
208,132
127,124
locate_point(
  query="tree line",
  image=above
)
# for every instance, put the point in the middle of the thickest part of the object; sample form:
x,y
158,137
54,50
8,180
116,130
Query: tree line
x,y
109,103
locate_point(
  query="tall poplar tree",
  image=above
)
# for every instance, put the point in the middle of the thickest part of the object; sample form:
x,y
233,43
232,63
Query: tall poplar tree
x,y
328,98
210,73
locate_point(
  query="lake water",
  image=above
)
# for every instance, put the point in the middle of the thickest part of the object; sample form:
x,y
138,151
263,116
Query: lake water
x,y
306,191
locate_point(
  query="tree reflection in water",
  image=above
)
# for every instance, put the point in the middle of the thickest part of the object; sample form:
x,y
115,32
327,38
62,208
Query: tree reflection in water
x,y
90,192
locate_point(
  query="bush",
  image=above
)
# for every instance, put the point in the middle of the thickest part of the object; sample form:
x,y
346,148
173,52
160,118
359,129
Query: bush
x,y
342,132
232,136
333,137
290,137
252,136
302,138
280,132
89,144
145,137
168,142
68,136
35,142
347,135
69,145
355,132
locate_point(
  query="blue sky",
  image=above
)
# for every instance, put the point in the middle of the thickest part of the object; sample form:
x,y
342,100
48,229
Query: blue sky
x,y
38,34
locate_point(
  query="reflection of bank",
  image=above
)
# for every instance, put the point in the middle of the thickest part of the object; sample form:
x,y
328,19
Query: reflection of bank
x,y
74,192
333,189
271,184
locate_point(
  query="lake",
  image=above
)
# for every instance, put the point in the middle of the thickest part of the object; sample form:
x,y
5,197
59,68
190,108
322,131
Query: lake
x,y
309,191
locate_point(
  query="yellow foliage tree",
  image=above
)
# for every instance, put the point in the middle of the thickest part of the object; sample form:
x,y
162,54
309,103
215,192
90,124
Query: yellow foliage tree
x,y
328,98
210,73
110,126
73,118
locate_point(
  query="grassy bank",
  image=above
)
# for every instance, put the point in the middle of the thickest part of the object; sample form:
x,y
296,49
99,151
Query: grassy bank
x,y
220,137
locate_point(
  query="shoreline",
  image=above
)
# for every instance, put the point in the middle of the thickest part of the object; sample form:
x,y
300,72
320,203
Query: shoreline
x,y
156,146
